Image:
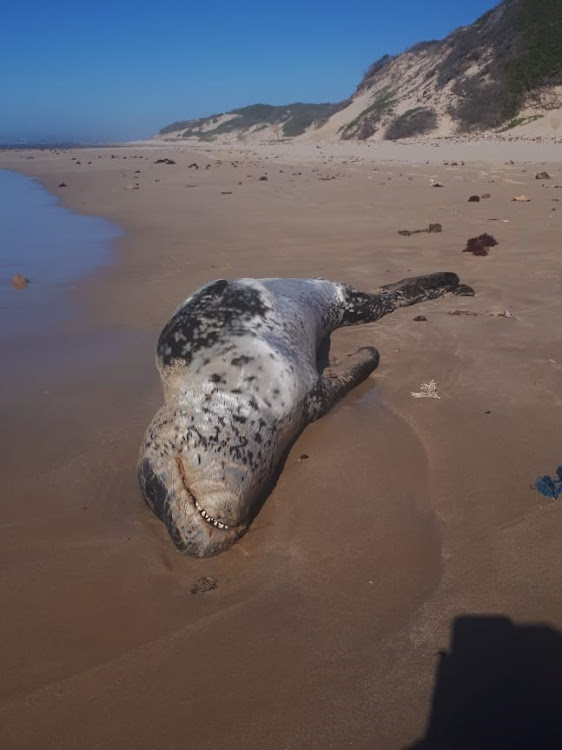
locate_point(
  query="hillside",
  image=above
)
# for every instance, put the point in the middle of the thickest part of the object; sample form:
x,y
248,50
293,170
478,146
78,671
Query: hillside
x,y
504,71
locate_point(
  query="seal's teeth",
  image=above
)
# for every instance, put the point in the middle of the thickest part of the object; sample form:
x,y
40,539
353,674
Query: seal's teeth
x,y
210,519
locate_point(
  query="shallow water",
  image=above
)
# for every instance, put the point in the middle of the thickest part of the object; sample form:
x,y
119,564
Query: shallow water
x,y
50,245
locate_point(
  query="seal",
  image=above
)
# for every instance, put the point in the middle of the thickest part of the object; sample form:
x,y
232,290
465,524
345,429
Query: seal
x,y
243,370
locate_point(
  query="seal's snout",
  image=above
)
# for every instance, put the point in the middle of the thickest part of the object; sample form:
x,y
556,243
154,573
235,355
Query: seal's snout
x,y
193,529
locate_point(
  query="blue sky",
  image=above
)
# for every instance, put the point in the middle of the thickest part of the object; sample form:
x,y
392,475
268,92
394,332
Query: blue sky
x,y
108,71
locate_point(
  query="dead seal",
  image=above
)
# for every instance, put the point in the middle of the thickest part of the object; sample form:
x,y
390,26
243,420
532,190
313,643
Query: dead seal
x,y
242,375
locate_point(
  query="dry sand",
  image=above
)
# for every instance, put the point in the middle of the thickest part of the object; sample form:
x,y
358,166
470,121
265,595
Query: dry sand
x,y
325,628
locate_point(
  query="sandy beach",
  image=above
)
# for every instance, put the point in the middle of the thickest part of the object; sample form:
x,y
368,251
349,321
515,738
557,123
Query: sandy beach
x,y
394,516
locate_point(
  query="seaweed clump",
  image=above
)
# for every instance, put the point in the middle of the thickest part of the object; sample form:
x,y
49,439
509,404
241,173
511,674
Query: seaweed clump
x,y
480,245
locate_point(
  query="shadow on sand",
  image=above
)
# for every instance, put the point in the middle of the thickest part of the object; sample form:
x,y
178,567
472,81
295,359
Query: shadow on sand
x,y
498,688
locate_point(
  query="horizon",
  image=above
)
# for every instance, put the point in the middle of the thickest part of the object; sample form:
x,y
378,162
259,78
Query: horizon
x,y
121,72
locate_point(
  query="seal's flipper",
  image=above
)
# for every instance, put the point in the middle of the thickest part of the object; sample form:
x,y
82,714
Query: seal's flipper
x,y
339,380
361,307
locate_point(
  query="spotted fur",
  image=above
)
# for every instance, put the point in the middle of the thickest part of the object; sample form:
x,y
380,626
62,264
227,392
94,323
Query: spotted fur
x,y
242,374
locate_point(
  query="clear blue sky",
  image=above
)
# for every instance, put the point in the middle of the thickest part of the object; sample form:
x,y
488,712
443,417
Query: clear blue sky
x,y
99,71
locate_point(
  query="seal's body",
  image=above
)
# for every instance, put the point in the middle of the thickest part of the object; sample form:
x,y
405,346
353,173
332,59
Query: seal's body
x,y
239,362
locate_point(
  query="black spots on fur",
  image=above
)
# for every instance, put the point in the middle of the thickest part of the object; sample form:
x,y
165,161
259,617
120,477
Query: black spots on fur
x,y
238,418
236,390
359,307
245,300
216,378
254,405
211,316
258,438
241,360
154,489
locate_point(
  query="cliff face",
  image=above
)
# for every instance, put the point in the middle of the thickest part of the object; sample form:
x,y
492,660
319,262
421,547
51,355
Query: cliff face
x,y
503,71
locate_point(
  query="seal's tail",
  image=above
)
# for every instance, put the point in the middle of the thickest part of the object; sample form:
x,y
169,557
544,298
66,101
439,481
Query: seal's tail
x,y
361,307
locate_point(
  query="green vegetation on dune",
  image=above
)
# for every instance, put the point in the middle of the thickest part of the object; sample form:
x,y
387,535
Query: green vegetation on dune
x,y
364,125
526,40
519,121
416,121
293,119
539,59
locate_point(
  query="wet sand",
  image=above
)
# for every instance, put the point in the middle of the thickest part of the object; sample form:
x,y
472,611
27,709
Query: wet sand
x,y
325,627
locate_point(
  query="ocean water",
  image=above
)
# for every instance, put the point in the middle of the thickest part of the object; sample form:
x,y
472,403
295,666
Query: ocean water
x,y
50,245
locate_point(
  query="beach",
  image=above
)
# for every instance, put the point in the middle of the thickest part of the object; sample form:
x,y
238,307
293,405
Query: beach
x,y
394,516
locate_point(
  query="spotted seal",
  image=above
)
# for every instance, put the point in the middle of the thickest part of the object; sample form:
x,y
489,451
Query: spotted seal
x,y
242,375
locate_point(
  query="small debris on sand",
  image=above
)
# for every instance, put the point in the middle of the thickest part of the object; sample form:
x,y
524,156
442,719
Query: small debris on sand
x,y
204,584
20,281
462,312
521,198
63,184
431,229
420,319
226,192
542,176
163,161
437,184
263,178
479,245
193,165
427,390
499,314
303,457
484,196
474,199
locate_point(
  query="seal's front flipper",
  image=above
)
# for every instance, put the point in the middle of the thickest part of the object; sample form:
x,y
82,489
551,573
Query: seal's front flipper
x,y
339,380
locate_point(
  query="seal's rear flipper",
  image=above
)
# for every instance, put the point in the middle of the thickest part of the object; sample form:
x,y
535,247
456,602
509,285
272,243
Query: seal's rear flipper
x,y
339,380
360,307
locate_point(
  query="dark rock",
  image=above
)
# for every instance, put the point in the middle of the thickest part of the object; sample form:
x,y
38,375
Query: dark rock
x,y
63,184
193,165
420,319
542,176
474,199
479,245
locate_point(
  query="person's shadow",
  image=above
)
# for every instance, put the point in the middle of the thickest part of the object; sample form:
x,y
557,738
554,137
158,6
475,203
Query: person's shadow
x,y
498,688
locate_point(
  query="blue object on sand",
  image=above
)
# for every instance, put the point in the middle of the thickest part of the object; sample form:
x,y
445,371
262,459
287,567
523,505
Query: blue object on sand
x,y
550,487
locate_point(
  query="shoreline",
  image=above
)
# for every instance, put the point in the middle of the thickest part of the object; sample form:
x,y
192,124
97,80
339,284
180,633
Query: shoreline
x,y
407,514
